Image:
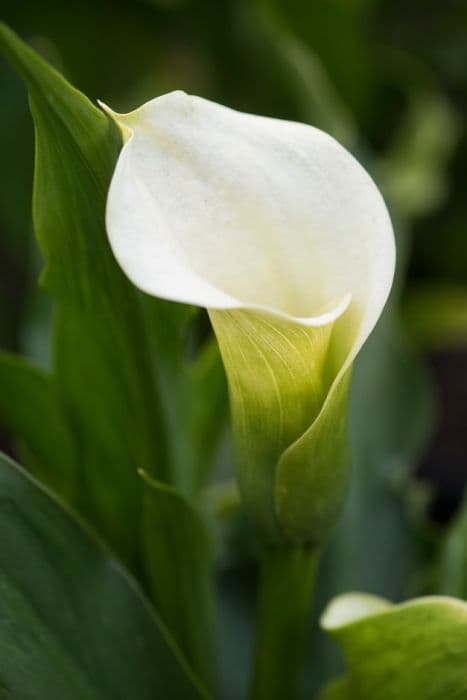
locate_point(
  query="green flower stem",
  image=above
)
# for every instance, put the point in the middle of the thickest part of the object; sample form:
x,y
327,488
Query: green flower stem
x,y
286,581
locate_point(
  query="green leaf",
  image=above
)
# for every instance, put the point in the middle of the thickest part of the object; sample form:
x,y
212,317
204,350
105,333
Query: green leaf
x,y
97,390
31,409
69,129
103,364
179,567
400,652
73,624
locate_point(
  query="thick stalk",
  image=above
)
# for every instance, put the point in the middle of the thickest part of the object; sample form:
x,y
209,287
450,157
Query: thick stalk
x,y
284,603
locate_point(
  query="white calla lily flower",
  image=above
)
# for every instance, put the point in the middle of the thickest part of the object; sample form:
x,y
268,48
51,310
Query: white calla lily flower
x,y
279,232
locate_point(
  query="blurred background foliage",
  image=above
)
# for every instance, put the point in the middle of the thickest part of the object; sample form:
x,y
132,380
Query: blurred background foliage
x,y
389,80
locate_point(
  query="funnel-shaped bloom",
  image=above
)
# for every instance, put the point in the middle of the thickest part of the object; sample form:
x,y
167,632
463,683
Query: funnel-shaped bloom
x,y
278,231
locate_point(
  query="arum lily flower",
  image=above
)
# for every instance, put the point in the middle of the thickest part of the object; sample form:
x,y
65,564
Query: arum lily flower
x,y
283,237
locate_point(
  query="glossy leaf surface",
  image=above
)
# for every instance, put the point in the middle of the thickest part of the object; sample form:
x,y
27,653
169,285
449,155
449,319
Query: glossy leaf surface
x,y
73,624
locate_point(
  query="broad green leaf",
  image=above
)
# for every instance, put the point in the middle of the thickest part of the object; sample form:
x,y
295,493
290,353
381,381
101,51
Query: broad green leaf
x,y
400,652
73,623
69,129
31,409
183,591
103,365
99,396
101,393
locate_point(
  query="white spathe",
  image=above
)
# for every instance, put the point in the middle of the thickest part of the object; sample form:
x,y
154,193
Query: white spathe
x,y
227,210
